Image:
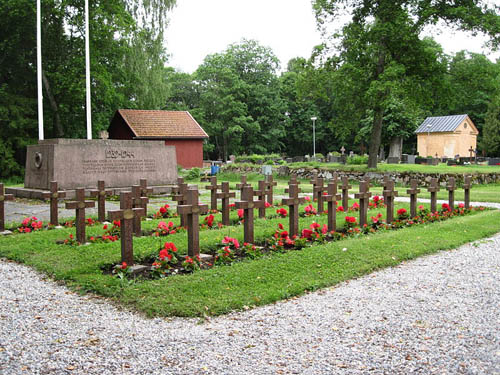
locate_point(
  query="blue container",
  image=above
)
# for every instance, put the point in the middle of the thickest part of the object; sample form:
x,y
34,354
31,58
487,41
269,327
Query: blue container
x,y
214,169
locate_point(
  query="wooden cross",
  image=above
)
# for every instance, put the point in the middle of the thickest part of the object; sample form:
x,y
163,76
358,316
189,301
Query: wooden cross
x,y
385,181
389,194
80,204
363,196
145,190
138,201
471,151
467,186
314,179
242,184
180,197
413,191
270,183
433,189
193,210
213,192
293,203
451,192
126,214
3,197
345,192
54,196
332,197
261,194
224,196
101,193
318,190
293,181
247,204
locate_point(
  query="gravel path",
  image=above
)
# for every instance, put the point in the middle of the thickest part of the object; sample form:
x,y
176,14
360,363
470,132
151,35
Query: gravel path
x,y
435,315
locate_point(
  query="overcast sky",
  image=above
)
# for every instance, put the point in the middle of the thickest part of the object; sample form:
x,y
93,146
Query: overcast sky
x,y
200,27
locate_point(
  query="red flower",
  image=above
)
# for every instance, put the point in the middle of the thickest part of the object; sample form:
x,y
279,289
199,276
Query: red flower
x,y
162,210
306,233
240,213
376,198
402,211
307,198
170,246
280,225
282,212
446,206
340,209
461,205
124,266
267,205
284,234
350,219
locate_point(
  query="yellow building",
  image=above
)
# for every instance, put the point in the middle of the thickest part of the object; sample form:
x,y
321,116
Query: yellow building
x,y
446,136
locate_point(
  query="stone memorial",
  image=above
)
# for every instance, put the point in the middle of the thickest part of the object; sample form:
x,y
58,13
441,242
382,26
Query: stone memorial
x,y
364,197
77,163
345,192
126,214
101,193
318,191
451,187
213,192
467,187
54,195
332,197
243,183
389,195
3,197
193,210
293,181
80,204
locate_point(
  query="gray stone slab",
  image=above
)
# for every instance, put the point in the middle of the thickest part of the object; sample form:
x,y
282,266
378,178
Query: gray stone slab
x,y
75,163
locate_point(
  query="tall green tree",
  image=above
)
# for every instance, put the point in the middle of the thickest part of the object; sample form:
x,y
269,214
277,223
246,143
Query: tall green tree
x,y
382,41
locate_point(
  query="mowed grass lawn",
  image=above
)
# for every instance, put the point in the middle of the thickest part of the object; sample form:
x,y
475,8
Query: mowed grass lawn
x,y
243,284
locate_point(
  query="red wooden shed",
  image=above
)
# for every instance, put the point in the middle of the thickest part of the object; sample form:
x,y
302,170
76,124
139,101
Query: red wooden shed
x,y
177,128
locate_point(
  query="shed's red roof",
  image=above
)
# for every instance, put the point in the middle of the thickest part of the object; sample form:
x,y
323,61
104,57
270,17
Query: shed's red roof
x,y
162,124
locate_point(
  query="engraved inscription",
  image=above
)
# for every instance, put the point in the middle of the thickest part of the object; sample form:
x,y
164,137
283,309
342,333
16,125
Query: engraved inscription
x,y
118,166
119,154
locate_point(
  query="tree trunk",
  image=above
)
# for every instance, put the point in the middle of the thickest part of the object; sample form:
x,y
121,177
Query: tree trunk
x,y
396,147
375,137
59,132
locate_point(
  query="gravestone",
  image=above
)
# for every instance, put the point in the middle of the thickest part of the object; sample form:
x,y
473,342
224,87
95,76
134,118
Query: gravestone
x,y
80,204
213,192
180,196
393,160
467,186
138,201
261,194
345,192
247,204
413,191
270,184
224,195
411,159
433,189
126,214
451,187
332,197
363,196
54,196
77,163
318,190
193,210
293,181
389,195
3,197
293,203
101,193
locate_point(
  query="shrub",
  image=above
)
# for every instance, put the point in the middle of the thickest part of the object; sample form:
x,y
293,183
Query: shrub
x,y
193,174
357,160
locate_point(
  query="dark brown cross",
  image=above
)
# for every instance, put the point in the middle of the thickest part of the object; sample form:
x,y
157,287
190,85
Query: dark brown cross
x,y
363,196
293,203
471,151
433,189
80,204
261,194
145,189
224,196
413,191
138,201
126,214
314,179
242,184
385,181
213,192
3,197
180,196
451,192
101,193
270,184
332,197
247,204
193,210
318,190
467,186
389,195
345,192
293,181
54,196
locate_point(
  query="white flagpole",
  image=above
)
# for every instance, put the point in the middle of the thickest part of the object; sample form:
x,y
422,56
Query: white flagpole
x,y
87,71
39,68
